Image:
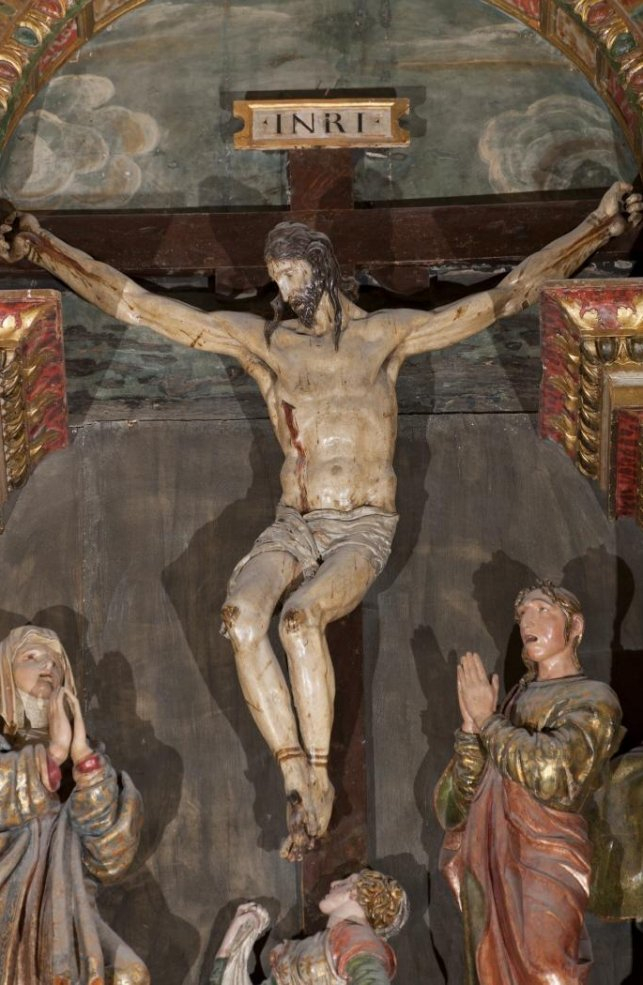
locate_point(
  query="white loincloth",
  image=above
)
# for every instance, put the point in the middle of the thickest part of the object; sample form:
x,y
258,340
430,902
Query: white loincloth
x,y
316,536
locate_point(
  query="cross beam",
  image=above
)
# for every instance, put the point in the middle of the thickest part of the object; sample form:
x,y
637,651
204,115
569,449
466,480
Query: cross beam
x,y
168,243
229,245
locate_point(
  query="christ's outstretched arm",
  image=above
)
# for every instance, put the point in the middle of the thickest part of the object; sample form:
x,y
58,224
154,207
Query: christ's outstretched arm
x,y
445,326
230,333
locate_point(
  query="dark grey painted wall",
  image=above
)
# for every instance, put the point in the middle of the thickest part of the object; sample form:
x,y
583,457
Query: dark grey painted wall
x,y
124,542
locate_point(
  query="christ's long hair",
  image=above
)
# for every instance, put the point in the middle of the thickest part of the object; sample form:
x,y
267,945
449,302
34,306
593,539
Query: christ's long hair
x,y
295,241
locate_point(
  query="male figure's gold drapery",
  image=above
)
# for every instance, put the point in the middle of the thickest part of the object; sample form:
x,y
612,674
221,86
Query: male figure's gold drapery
x,y
517,852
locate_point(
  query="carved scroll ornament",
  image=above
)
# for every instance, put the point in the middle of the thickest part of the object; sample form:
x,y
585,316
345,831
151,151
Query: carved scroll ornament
x,y
33,404
592,387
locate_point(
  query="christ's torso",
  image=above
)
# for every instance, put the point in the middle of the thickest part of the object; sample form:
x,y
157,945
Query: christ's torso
x,y
335,415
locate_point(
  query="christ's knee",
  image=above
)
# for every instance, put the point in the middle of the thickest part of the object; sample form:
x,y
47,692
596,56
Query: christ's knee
x,y
298,624
245,623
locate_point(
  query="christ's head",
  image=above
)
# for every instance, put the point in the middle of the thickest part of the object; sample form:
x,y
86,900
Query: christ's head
x,y
302,263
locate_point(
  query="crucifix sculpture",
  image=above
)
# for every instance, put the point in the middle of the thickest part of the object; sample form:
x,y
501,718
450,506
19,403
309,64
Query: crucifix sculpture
x,y
328,378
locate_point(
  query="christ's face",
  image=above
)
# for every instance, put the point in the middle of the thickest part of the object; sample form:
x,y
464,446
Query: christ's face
x,y
298,287
543,627
37,671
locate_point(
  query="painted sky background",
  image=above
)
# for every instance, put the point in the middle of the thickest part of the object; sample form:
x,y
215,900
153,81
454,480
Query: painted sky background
x,y
142,118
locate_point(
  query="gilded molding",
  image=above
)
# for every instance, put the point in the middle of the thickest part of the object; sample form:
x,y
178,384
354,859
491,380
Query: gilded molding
x,y
33,406
592,387
288,124
616,70
36,38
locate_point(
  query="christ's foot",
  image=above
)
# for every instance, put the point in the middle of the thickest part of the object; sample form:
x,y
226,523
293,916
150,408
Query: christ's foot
x,y
323,797
301,816
299,840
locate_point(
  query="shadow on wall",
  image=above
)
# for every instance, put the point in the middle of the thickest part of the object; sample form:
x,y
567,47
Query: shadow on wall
x,y
496,584
135,908
196,586
626,675
437,679
417,956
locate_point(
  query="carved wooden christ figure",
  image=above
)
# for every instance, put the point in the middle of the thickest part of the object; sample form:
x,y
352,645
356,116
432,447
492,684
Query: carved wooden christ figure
x,y
517,848
328,378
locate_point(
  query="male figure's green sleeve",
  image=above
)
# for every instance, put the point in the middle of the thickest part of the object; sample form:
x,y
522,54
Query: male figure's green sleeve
x,y
366,969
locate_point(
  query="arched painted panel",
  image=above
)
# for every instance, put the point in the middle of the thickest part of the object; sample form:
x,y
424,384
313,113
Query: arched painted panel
x,y
36,37
604,40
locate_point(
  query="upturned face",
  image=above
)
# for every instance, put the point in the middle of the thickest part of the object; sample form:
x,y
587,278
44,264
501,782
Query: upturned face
x,y
543,628
36,670
341,892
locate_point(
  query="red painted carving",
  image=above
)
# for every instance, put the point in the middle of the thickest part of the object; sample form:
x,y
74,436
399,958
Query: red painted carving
x,y
42,348
53,9
618,94
591,398
598,14
528,8
627,461
8,71
33,402
606,311
58,49
556,370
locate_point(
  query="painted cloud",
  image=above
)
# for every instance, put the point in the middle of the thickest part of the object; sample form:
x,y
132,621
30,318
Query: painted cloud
x,y
80,147
558,142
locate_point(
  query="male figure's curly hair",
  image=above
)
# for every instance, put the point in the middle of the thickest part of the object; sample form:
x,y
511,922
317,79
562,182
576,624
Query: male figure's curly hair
x,y
295,241
561,597
385,904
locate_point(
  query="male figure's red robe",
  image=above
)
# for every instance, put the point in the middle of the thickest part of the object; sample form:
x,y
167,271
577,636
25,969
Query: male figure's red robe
x,y
516,850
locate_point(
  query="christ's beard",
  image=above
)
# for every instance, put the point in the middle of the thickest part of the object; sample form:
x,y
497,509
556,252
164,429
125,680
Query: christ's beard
x,y
305,303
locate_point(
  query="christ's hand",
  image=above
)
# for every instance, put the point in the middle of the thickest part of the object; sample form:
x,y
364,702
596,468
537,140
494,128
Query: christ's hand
x,y
623,204
14,239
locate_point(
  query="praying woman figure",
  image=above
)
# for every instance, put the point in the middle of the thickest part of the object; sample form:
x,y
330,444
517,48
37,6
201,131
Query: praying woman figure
x,y
68,822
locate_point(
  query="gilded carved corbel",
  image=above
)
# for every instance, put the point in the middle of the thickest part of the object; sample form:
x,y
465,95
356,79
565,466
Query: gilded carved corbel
x,y
592,387
33,404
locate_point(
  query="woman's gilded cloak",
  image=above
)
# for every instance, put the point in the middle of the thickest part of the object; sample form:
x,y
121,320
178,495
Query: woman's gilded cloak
x,y
52,856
